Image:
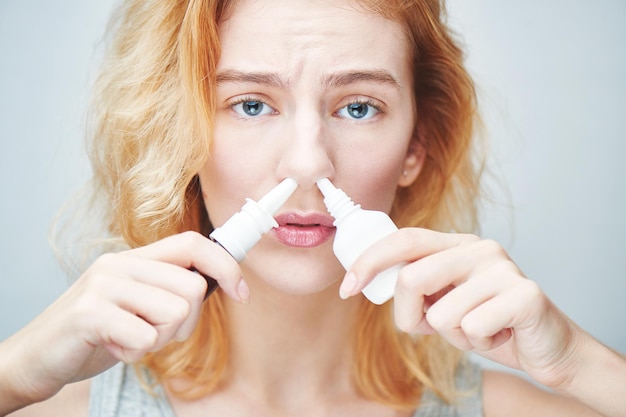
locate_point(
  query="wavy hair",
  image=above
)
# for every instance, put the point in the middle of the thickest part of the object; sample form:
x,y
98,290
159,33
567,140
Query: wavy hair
x,y
152,118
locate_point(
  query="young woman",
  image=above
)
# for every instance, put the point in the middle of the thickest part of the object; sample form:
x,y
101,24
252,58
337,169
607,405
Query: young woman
x,y
204,103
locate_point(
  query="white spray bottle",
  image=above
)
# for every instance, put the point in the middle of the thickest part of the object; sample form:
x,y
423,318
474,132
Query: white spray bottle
x,y
357,229
245,228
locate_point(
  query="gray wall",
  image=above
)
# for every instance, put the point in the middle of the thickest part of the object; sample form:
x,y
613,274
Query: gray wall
x,y
551,79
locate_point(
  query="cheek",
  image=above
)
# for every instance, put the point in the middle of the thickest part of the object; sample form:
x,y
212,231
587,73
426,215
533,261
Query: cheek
x,y
371,178
369,172
232,173
242,151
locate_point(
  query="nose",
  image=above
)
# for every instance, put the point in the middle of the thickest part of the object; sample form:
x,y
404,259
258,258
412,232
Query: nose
x,y
308,153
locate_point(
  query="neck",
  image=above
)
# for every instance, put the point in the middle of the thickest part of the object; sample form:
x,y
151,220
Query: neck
x,y
288,346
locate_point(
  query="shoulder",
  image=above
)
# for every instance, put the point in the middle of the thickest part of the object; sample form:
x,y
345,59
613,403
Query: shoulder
x,y
510,395
71,401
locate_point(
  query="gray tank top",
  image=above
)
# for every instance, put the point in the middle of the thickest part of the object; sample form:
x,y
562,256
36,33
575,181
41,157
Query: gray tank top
x,y
118,393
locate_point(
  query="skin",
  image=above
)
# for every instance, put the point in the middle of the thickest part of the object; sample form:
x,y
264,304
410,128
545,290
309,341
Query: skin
x,y
290,355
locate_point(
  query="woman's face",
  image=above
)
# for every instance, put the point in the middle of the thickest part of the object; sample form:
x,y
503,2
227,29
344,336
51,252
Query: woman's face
x,y
308,89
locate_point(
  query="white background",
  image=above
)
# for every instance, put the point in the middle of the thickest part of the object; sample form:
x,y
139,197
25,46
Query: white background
x,y
551,79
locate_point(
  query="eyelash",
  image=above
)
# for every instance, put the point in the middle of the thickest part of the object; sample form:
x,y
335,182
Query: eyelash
x,y
361,101
246,99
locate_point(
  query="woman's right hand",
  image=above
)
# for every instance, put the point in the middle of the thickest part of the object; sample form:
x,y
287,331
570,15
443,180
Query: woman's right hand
x,y
124,305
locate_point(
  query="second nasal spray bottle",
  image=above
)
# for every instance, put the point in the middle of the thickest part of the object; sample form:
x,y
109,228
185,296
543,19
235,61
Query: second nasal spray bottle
x,y
357,229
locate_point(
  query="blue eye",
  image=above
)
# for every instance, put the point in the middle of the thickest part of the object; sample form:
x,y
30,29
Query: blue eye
x,y
252,108
358,111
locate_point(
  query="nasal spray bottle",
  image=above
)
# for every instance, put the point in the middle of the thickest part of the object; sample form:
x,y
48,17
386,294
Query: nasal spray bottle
x,y
245,228
357,229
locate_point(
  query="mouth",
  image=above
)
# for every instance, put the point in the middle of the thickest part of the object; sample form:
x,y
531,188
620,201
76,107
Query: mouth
x,y
304,220
303,231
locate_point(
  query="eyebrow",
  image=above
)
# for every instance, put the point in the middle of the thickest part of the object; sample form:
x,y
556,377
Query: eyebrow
x,y
264,78
340,79
351,77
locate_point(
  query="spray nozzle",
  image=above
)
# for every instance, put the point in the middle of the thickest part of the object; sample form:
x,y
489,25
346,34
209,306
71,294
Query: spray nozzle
x,y
274,200
325,186
336,200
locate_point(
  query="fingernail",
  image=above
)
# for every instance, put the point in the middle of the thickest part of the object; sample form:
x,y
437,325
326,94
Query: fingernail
x,y
243,292
348,285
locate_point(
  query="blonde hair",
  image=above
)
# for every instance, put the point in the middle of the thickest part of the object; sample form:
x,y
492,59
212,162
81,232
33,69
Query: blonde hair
x,y
152,115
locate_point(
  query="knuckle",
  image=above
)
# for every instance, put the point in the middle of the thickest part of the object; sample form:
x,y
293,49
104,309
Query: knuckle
x,y
505,268
198,288
414,236
179,311
406,280
467,238
106,260
192,238
195,287
144,342
529,298
437,319
473,328
407,233
96,281
530,292
492,248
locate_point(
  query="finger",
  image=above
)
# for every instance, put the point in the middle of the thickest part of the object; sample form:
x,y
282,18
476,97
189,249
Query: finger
x,y
405,245
170,314
127,342
189,289
485,327
169,277
519,308
447,314
488,325
143,318
151,289
411,323
122,269
191,250
437,274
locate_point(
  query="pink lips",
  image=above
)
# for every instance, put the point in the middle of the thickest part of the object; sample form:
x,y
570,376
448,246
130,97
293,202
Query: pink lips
x,y
303,231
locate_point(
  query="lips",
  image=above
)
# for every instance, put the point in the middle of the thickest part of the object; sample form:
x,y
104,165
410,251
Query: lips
x,y
303,231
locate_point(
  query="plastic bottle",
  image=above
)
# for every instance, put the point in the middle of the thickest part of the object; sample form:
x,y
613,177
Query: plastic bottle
x,y
245,228
357,229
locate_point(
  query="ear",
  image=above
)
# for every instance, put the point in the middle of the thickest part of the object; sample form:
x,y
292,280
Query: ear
x,y
413,163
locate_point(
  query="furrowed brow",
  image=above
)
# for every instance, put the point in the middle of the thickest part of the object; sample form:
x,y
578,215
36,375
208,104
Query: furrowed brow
x,y
263,78
347,78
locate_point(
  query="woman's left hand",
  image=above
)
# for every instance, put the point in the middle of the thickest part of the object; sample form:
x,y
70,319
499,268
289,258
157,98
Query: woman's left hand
x,y
469,291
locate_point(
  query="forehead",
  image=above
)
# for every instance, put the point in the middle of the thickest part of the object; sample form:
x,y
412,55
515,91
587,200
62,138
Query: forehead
x,y
293,35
